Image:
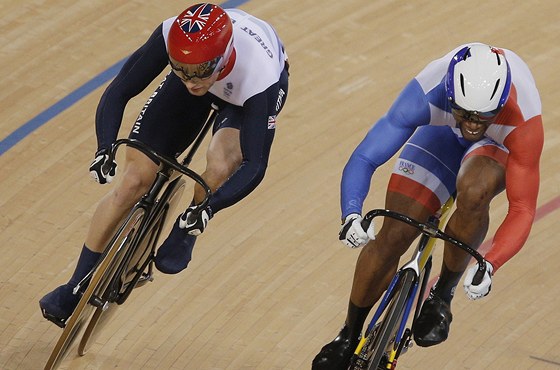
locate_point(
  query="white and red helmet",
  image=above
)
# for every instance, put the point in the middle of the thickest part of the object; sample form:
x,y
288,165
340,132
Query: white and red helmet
x,y
203,33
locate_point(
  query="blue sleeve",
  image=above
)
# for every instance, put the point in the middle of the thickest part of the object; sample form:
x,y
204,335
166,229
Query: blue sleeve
x,y
140,69
384,139
256,140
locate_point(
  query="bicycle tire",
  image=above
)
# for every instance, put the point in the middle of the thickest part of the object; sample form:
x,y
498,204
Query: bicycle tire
x,y
83,310
117,248
132,265
381,338
69,334
102,315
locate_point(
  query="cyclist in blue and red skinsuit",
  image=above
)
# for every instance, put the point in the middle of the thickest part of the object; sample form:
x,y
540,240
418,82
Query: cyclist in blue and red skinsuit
x,y
469,123
227,58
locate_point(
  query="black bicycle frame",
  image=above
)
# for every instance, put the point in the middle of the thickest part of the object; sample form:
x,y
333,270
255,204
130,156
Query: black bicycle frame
x,y
163,176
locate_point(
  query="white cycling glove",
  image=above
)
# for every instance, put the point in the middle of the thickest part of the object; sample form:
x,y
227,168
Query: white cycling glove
x,y
195,224
352,233
481,290
102,171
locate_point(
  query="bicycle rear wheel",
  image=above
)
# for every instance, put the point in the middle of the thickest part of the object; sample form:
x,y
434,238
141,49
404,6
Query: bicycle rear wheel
x,y
381,340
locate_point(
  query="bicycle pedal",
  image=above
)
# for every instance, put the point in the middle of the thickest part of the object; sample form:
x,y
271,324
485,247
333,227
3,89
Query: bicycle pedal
x,y
408,344
144,278
98,302
358,362
406,341
61,323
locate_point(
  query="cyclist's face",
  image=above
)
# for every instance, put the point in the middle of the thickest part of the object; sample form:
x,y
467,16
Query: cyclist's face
x,y
198,78
472,126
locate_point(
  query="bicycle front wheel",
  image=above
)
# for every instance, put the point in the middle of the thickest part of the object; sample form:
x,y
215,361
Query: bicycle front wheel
x,y
100,279
137,239
106,272
382,341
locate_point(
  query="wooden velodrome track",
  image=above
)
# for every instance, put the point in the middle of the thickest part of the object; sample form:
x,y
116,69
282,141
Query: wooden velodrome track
x,y
269,282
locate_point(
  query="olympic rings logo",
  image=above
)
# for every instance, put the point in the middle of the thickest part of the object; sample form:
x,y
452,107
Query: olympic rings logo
x,y
406,168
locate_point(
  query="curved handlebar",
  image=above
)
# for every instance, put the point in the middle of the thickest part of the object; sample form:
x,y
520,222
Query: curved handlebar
x,y
167,162
431,231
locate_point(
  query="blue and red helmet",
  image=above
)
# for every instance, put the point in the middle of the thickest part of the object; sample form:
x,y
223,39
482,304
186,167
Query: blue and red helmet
x,y
203,33
478,80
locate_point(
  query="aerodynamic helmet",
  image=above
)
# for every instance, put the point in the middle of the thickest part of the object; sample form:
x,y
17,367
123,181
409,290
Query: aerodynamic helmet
x,y
203,33
478,80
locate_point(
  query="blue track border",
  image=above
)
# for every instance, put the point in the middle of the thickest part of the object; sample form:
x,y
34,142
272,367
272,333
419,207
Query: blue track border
x,y
45,116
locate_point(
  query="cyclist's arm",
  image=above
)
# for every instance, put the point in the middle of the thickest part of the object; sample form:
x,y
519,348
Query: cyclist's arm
x,y
522,185
383,140
140,69
256,140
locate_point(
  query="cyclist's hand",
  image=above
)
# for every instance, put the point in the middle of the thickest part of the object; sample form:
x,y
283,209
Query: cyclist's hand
x,y
482,289
194,223
352,234
102,171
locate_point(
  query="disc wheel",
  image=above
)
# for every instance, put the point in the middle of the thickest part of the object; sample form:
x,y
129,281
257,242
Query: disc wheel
x,y
381,339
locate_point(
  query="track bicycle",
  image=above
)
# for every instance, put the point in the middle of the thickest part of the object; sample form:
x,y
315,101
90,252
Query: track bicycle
x,y
127,261
389,334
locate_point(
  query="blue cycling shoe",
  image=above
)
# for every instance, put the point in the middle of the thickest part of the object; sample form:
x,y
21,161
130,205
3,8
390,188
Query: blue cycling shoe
x,y
58,305
174,255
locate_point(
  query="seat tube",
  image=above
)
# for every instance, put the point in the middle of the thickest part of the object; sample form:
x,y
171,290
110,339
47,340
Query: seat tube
x,y
162,176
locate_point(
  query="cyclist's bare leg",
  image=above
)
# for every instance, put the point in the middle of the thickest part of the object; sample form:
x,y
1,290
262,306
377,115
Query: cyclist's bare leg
x,y
135,180
378,260
480,179
138,174
222,159
376,265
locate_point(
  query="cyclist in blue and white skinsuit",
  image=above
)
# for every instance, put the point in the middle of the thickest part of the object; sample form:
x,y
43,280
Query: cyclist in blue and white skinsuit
x,y
469,123
225,58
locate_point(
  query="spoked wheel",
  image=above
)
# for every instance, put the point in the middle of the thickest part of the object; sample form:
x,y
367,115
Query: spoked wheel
x,y
380,341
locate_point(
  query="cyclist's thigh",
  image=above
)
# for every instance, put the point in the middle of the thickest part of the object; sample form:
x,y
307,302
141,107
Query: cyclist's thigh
x,y
483,167
395,236
171,118
137,175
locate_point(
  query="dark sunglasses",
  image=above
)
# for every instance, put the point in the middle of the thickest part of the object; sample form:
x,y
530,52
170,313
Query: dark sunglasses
x,y
205,70
474,116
